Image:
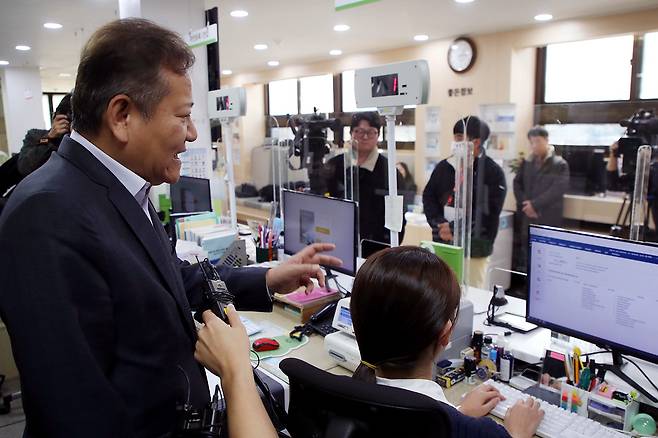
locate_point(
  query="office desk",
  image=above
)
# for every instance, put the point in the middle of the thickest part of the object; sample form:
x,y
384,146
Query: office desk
x,y
245,214
530,347
314,353
599,209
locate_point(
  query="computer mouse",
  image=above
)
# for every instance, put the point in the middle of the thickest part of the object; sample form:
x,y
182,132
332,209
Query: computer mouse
x,y
265,344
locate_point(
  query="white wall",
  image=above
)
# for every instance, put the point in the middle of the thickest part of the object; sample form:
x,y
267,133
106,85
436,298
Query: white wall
x,y
21,101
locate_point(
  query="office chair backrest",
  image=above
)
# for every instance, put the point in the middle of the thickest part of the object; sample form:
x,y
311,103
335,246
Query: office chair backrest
x,y
324,405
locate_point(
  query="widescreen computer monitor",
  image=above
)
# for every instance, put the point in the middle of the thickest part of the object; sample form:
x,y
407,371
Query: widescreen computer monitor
x,y
190,195
596,288
309,218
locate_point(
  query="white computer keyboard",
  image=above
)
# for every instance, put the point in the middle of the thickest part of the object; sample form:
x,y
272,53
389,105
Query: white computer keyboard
x,y
557,422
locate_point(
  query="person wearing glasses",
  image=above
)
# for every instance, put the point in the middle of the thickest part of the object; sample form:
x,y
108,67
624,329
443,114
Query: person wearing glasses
x,y
373,177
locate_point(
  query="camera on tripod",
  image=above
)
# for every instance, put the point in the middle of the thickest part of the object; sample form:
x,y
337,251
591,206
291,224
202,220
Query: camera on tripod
x,y
641,129
310,143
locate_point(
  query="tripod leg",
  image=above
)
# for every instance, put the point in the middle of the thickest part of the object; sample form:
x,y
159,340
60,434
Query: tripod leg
x,y
621,211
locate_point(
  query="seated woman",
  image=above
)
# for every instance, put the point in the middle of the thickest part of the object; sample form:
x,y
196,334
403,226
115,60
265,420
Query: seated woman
x,y
404,303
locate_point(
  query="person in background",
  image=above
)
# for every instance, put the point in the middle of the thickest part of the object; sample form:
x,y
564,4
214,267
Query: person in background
x,y
37,147
489,189
425,308
408,187
38,144
539,188
373,177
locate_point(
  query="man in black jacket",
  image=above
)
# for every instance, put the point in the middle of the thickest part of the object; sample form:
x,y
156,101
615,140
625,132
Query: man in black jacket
x,y
97,307
489,189
539,188
372,174
38,144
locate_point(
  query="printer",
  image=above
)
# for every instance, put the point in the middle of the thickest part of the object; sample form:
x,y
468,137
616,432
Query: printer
x,y
344,351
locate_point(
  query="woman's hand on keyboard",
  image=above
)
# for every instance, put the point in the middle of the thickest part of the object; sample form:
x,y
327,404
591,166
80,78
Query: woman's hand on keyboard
x,y
480,401
522,419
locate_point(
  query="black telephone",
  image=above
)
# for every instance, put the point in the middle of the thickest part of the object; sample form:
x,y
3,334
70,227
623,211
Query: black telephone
x,y
321,320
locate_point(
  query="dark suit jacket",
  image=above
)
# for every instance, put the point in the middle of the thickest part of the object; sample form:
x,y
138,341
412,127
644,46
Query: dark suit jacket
x,y
464,426
544,187
372,188
97,307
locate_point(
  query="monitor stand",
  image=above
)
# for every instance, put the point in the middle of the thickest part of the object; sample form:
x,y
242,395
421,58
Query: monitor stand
x,y
616,369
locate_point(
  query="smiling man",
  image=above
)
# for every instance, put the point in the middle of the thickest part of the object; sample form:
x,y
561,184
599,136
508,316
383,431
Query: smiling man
x,y
97,307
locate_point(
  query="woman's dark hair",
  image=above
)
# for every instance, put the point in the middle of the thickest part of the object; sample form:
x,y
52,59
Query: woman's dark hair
x,y
402,298
475,128
538,131
408,177
371,117
126,57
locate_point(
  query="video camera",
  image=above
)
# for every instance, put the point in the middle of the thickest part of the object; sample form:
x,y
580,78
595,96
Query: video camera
x,y
310,143
641,129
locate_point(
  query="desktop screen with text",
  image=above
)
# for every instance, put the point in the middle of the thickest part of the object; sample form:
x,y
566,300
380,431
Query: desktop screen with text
x,y
600,287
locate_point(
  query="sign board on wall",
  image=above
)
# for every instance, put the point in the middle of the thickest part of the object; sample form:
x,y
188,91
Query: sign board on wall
x,y
202,37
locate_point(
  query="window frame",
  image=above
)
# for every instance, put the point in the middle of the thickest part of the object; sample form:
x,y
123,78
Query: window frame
x,y
602,111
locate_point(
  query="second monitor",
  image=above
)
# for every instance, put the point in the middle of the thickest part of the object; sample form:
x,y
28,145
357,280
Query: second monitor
x,y
309,218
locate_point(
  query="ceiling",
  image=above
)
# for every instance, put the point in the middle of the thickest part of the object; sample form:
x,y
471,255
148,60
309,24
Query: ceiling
x,y
296,31
54,51
301,31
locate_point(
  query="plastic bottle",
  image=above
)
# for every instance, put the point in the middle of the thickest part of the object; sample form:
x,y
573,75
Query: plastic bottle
x,y
486,347
506,367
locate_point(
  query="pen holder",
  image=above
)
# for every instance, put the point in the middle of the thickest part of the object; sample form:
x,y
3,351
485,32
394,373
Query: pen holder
x,y
265,255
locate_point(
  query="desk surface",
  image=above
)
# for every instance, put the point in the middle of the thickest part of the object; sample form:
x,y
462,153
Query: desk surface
x,y
245,214
530,347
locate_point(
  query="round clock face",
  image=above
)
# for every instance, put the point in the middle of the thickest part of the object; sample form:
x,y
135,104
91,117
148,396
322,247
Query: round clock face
x,y
461,55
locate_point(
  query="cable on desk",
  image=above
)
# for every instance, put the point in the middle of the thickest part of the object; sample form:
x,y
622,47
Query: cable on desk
x,y
594,353
257,358
643,373
341,288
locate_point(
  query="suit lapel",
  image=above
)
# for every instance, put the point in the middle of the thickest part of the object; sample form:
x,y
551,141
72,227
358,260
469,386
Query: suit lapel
x,y
179,288
134,216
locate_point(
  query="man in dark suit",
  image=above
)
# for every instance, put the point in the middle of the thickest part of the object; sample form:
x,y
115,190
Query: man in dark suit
x,y
97,307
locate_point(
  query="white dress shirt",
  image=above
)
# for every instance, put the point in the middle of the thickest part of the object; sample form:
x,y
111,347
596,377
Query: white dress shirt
x,y
137,186
421,386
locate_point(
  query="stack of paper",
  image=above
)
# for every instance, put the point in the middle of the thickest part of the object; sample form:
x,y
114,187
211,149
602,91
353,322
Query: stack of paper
x,y
305,305
206,231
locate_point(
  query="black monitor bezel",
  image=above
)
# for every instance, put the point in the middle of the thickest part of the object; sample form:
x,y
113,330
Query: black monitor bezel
x,y
346,271
175,212
603,343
